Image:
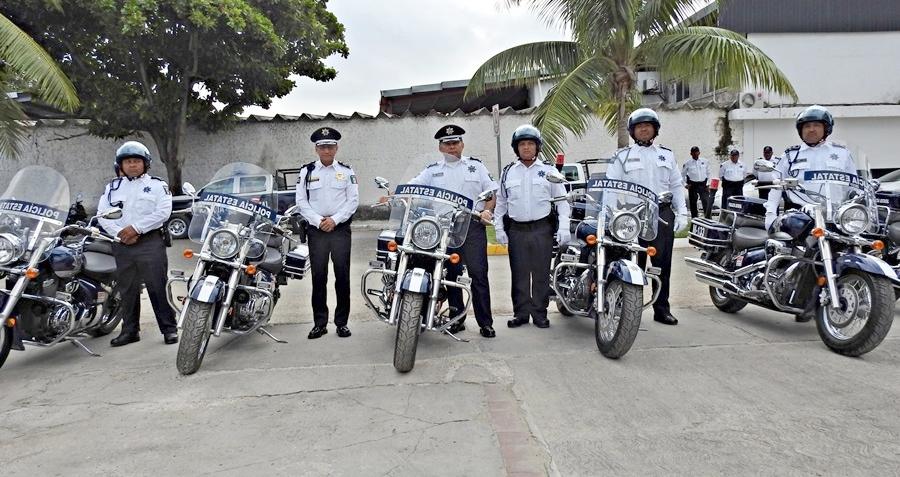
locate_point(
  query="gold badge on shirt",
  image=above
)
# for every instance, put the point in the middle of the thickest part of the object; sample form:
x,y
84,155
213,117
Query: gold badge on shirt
x,y
340,176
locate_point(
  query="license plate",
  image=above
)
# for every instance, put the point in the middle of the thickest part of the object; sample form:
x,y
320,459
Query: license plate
x,y
376,264
568,257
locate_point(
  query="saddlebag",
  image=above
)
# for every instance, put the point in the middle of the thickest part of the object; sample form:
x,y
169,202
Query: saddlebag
x,y
296,264
708,234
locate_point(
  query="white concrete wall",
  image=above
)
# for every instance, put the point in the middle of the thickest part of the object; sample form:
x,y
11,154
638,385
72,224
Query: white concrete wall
x,y
837,68
386,147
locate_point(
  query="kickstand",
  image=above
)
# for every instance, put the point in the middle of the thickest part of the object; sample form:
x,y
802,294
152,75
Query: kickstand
x,y
81,345
460,340
265,332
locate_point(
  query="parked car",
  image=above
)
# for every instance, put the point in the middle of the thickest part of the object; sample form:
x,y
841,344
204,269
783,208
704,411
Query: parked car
x,y
890,182
281,186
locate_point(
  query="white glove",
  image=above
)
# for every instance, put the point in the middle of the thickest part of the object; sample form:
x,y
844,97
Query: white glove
x,y
502,239
681,221
563,236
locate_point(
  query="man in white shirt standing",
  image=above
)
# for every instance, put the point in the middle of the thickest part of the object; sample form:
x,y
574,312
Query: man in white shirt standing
x,y
696,174
732,173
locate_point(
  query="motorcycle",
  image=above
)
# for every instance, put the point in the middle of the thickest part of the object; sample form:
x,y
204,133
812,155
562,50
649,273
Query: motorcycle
x,y
889,231
597,275
810,260
425,222
243,261
55,291
76,211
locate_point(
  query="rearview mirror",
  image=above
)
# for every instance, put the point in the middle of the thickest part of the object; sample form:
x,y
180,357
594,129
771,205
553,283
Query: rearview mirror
x,y
555,177
763,165
114,213
485,196
189,189
382,183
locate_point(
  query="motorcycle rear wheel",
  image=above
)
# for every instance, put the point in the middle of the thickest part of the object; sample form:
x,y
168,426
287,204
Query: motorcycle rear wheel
x,y
865,315
616,328
721,299
6,339
409,325
194,337
110,317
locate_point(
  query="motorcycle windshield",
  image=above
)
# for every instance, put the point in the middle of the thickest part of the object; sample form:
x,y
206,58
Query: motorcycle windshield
x,y
611,197
833,189
217,208
33,208
412,203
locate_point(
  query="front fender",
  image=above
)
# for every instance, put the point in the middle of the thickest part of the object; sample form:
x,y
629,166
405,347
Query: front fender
x,y
210,290
627,271
865,263
416,280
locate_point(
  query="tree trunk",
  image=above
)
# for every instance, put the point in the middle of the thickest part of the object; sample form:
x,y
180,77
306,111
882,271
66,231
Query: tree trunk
x,y
168,154
622,136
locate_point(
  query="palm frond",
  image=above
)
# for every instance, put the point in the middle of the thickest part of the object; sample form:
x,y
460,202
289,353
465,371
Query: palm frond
x,y
724,58
21,53
568,105
12,131
524,65
656,16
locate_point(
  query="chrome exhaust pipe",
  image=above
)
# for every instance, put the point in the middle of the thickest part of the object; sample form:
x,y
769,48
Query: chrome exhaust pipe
x,y
716,282
705,266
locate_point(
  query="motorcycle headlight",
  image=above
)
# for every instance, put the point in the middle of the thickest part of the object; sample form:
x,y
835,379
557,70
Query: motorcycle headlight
x,y
625,226
257,249
426,234
224,244
11,248
853,219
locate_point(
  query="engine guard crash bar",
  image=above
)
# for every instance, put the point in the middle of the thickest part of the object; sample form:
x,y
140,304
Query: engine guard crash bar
x,y
170,297
53,301
259,323
651,277
383,314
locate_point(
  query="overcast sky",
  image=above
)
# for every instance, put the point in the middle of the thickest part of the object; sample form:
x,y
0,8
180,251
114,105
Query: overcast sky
x,y
401,43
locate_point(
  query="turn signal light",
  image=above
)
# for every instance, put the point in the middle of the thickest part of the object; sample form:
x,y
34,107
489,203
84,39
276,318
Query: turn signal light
x,y
31,273
10,322
651,251
821,281
454,258
392,246
251,270
818,232
188,253
591,240
878,245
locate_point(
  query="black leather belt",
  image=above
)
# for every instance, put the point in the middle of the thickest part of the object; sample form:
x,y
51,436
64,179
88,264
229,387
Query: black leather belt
x,y
531,222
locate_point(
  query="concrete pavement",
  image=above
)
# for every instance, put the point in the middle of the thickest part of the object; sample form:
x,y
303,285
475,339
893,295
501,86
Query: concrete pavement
x,y
751,393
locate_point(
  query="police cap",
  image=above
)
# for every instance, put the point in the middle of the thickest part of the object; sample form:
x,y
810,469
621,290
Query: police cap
x,y
449,133
325,136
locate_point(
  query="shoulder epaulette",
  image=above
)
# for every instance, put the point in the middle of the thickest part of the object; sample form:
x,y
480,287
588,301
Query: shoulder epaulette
x,y
622,149
157,178
792,148
432,165
475,159
664,147
345,165
840,146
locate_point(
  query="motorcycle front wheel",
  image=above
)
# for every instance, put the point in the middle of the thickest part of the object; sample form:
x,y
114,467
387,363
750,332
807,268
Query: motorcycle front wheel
x,y
409,325
617,327
6,339
863,317
194,336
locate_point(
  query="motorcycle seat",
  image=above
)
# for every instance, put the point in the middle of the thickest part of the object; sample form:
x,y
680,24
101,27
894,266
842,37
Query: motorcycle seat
x,y
748,237
748,221
272,261
99,246
99,263
894,232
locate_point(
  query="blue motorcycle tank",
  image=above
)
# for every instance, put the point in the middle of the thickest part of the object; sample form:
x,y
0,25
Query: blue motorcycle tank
x,y
794,223
65,262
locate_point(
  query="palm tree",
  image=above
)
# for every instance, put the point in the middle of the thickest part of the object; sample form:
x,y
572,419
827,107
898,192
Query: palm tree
x,y
23,61
611,40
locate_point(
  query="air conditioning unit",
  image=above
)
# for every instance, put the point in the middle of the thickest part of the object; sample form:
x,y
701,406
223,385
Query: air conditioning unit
x,y
650,86
753,99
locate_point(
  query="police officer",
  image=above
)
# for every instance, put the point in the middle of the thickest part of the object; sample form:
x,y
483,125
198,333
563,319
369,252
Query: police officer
x,y
732,173
467,176
328,196
524,213
141,253
766,178
654,166
814,125
696,174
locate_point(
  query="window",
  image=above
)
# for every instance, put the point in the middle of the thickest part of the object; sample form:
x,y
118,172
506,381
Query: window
x,y
253,184
225,186
570,172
